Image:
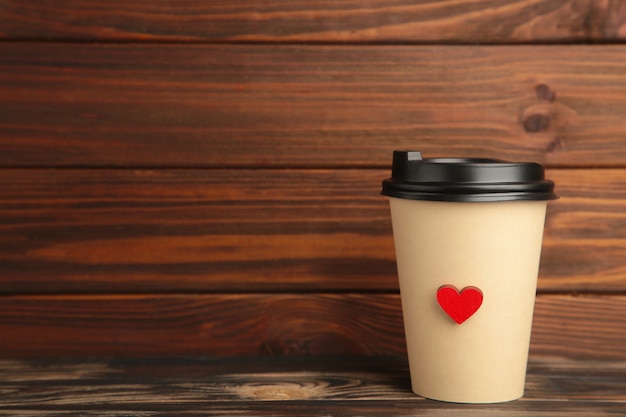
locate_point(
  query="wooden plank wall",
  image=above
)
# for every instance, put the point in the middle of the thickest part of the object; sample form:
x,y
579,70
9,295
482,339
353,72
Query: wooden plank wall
x,y
203,177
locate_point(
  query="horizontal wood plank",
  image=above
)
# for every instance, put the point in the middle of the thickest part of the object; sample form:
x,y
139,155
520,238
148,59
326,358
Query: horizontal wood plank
x,y
135,231
286,386
584,245
491,21
411,408
134,105
273,324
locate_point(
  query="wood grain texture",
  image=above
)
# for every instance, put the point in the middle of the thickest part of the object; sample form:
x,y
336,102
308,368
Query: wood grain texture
x,y
584,247
273,324
134,231
134,105
334,386
491,21
336,409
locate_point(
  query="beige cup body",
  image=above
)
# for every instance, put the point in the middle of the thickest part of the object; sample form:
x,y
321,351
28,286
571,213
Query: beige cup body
x,y
494,246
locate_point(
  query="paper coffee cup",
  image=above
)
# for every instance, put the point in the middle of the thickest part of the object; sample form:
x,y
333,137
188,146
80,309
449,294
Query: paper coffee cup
x,y
468,236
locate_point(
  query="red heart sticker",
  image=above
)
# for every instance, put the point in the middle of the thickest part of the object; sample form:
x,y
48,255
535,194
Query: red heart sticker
x,y
460,306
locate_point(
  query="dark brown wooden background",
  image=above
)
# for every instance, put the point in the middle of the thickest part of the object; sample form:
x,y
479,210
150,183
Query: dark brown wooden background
x,y
204,177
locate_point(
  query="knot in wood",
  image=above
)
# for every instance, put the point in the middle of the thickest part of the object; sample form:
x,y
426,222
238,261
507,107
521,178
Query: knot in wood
x,y
545,93
277,391
536,123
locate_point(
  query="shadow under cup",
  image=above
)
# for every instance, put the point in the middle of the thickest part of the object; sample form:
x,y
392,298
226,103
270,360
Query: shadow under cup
x,y
467,236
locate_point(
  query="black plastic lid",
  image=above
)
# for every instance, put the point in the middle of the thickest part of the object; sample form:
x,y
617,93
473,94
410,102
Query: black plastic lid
x,y
465,179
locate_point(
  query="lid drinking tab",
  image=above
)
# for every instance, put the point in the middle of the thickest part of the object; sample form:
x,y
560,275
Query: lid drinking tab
x,y
465,179
414,156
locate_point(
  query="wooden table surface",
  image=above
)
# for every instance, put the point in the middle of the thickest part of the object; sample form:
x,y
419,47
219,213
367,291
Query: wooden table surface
x,y
286,386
